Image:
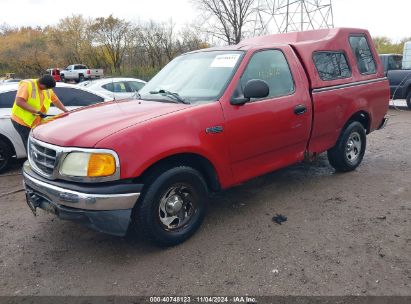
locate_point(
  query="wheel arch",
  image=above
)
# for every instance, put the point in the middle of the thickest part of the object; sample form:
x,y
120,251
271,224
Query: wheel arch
x,y
8,141
362,117
196,161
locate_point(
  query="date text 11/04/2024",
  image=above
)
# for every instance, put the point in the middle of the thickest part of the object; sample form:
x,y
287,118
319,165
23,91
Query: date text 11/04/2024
x,y
203,299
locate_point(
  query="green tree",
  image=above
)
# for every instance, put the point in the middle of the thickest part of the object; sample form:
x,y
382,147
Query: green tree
x,y
72,40
384,45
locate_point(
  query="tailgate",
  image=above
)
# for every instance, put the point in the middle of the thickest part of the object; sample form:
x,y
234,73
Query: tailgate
x,y
96,72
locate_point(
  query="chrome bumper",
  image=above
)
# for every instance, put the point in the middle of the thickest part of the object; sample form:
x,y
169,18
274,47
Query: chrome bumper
x,y
78,200
107,213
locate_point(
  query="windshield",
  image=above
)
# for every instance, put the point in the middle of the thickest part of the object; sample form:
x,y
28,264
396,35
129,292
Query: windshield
x,y
194,77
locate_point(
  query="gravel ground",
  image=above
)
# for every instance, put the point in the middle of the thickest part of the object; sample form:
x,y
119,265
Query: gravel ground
x,y
346,234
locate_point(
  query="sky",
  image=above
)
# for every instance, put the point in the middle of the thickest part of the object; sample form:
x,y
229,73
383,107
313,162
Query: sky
x,y
380,17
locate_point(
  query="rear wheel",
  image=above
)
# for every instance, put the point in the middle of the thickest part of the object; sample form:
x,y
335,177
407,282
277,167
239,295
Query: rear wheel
x,y
173,206
5,155
81,78
409,100
63,79
349,151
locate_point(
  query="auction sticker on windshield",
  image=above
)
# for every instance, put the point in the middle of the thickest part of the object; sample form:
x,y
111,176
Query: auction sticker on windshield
x,y
225,61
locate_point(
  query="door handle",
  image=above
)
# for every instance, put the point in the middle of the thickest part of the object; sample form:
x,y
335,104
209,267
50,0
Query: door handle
x,y
300,109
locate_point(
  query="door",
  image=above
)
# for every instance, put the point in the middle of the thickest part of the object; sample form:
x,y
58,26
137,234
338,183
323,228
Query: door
x,y
269,133
69,72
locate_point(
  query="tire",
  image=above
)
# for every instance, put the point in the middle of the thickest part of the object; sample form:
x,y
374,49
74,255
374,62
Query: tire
x,y
172,207
63,79
5,155
409,100
80,78
349,150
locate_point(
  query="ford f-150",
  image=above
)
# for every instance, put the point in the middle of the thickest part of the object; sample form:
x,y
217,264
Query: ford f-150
x,y
209,120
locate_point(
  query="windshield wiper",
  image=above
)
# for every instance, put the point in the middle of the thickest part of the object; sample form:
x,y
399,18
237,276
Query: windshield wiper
x,y
173,95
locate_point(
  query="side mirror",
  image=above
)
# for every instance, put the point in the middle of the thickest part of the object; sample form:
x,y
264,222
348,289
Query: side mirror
x,y
254,88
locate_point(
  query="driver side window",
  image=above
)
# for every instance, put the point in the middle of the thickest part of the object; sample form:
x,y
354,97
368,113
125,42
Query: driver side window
x,y
272,67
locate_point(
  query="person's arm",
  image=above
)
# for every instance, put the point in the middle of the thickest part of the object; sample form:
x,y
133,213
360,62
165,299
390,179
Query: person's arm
x,y
22,103
56,101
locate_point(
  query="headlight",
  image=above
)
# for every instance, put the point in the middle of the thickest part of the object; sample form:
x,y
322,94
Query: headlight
x,y
82,164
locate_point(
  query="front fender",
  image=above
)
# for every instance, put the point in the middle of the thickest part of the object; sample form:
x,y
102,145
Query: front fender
x,y
9,132
143,145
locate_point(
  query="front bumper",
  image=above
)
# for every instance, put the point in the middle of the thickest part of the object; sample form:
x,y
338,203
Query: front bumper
x,y
102,208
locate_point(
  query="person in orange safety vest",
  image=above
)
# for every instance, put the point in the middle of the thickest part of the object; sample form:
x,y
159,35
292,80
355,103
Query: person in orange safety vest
x,y
33,99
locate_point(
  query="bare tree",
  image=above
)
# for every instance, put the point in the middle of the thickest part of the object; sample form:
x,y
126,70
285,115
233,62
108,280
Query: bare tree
x,y
113,36
159,42
168,40
226,18
190,39
6,29
118,46
150,39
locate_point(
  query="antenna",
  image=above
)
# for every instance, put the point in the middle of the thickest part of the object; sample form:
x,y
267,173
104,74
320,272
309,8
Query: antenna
x,y
283,16
114,93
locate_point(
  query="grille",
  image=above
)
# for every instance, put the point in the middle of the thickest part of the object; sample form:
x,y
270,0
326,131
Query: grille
x,y
43,159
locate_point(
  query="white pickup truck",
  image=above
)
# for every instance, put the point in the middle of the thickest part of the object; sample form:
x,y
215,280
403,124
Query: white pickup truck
x,y
80,72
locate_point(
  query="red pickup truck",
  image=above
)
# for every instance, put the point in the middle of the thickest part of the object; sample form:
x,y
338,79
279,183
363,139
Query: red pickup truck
x,y
209,120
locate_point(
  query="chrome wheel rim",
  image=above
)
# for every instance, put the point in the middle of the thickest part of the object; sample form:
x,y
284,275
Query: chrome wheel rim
x,y
353,148
177,207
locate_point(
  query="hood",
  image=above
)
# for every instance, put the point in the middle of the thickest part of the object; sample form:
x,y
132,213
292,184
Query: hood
x,y
87,126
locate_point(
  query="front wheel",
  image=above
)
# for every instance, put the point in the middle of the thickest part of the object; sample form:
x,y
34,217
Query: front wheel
x,y
349,151
409,100
173,206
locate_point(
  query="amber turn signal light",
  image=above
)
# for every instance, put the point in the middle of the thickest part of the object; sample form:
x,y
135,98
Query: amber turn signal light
x,y
101,165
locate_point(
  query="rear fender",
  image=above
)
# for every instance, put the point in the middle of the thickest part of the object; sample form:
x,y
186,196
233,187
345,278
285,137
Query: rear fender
x,y
10,135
